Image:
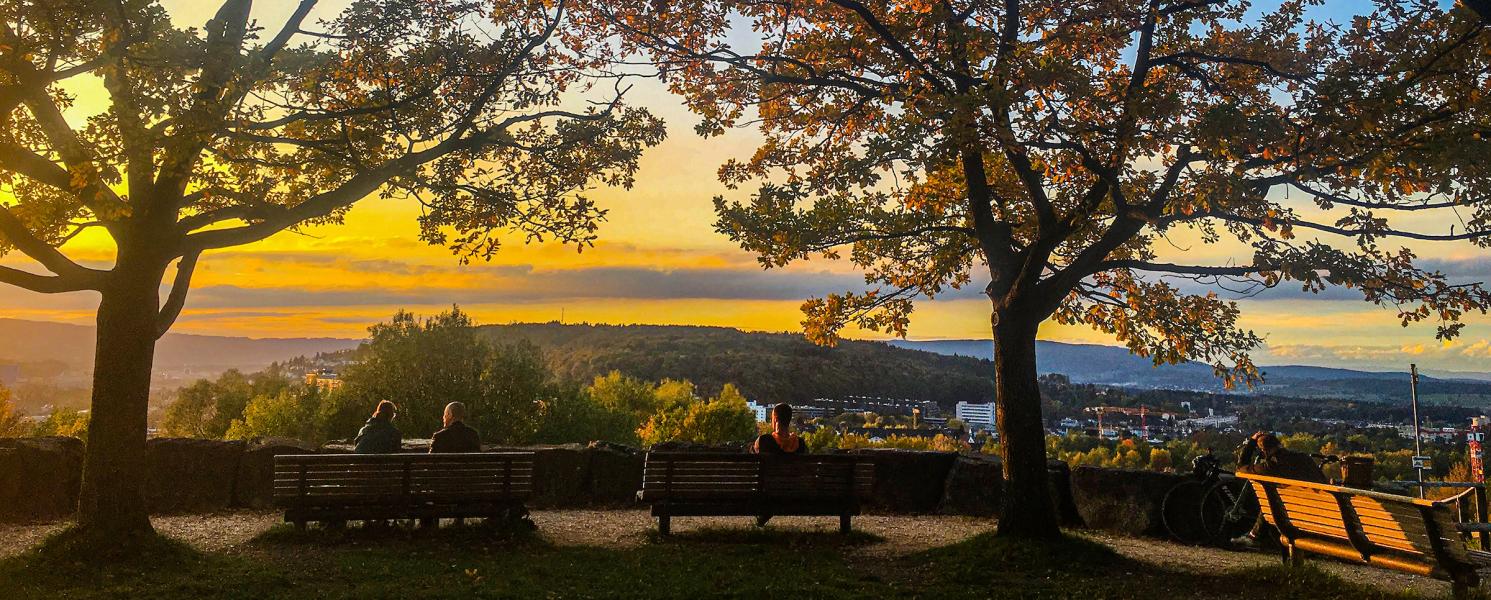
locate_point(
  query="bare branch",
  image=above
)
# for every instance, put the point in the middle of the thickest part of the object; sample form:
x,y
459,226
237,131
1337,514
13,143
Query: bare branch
x,y
177,300
1139,265
43,284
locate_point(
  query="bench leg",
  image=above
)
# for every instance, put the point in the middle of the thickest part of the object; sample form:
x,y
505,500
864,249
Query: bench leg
x,y
1292,556
1462,583
844,526
663,525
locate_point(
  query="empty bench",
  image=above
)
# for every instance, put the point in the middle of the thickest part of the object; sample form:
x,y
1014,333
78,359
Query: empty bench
x,y
335,488
1383,530
713,484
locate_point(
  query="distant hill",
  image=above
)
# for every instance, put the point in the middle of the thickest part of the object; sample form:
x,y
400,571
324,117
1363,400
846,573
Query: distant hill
x,y
37,341
768,367
1112,365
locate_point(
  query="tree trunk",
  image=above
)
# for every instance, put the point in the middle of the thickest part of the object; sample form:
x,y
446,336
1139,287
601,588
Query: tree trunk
x,y
112,501
1027,511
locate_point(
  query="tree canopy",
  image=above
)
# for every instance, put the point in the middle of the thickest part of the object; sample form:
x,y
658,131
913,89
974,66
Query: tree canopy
x,y
1055,149
229,134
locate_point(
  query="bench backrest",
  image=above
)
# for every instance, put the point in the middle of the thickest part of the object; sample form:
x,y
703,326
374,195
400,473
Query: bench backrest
x,y
352,479
705,475
1368,522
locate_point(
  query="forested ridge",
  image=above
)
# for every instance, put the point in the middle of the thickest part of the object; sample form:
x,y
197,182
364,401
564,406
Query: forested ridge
x,y
767,367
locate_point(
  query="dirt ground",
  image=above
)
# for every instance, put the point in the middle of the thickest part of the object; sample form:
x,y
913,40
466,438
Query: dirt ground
x,y
901,534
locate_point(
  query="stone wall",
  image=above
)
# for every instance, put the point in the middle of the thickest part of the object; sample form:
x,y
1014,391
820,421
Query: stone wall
x,y
1121,500
39,481
39,477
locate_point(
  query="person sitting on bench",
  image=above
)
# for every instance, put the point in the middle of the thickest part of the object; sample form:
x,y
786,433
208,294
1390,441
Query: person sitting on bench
x,y
1277,461
1274,461
781,440
456,437
378,435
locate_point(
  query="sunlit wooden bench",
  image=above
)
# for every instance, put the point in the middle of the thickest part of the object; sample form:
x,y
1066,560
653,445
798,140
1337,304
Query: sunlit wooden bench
x,y
336,488
1383,530
714,484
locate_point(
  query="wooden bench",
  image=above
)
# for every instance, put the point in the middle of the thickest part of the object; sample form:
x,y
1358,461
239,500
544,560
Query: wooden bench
x,y
716,484
1416,536
335,488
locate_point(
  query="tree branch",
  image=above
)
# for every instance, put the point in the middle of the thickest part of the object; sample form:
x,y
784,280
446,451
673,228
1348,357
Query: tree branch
x,y
43,284
895,45
21,237
95,195
177,300
1140,265
1178,59
1342,231
362,184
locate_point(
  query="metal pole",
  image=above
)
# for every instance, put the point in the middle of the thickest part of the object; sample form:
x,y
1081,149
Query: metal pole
x,y
1413,394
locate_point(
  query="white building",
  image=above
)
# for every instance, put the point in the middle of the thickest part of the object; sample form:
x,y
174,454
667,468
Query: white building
x,y
763,412
976,415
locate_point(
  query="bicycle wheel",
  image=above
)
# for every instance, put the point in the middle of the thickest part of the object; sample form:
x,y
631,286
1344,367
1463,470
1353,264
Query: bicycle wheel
x,y
1181,514
1228,510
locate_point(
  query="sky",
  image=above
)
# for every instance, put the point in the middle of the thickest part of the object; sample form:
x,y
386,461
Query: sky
x,y
659,261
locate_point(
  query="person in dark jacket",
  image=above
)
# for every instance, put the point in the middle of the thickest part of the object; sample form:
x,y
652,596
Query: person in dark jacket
x,y
378,435
1278,461
1274,460
456,437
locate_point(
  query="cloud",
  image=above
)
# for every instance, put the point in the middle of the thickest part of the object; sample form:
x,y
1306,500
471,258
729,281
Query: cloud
x,y
1479,349
1454,356
525,283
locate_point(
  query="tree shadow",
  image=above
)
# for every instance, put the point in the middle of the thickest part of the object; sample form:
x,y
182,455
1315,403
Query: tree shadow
x,y
400,533
789,537
77,562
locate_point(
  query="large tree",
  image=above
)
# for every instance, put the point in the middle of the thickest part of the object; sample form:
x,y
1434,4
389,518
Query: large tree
x,y
1053,151
494,114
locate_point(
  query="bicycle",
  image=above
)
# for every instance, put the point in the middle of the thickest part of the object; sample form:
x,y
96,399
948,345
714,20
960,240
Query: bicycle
x,y
1209,509
1214,507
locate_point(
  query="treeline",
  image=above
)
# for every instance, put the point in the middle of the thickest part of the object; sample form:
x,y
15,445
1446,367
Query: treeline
x,y
767,367
13,422
510,390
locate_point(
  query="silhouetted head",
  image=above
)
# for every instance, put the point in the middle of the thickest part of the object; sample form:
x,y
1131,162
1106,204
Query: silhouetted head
x,y
454,411
386,410
781,416
1269,444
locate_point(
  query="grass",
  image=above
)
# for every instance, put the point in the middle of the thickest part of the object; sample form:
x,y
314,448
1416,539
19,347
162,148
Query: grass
x,y
70,565
471,562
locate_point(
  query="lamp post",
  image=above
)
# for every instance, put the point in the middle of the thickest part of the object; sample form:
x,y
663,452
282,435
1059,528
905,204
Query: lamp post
x,y
1418,450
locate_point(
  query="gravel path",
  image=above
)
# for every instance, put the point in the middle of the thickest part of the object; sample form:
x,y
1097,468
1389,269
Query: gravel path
x,y
1211,560
902,535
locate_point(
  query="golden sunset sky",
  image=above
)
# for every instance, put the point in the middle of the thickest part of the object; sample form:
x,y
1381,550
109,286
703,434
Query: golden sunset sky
x,y
660,261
